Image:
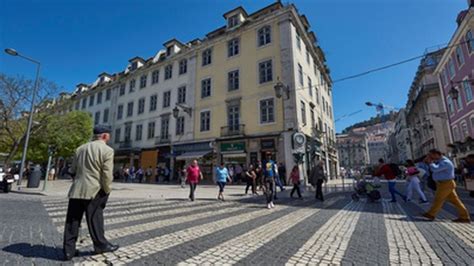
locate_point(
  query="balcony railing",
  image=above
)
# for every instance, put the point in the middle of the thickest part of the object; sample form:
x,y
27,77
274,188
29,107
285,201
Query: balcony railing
x,y
125,144
163,139
233,130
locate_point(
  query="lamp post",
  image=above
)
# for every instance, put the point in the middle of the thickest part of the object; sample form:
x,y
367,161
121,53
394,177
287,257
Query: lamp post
x,y
13,52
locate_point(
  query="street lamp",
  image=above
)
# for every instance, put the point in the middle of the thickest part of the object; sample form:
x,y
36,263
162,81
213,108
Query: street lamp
x,y
13,52
280,88
188,110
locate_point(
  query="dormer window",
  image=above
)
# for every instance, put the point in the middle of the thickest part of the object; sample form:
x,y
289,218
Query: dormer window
x,y
133,66
233,21
169,50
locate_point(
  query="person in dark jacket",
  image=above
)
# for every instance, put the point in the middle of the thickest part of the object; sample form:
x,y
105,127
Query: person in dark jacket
x,y
317,178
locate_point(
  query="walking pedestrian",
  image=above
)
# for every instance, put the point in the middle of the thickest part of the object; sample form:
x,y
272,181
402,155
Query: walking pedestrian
x,y
468,172
149,174
126,174
317,178
282,172
413,179
390,173
278,178
193,175
222,175
269,179
295,179
92,170
238,173
140,174
251,180
182,176
443,174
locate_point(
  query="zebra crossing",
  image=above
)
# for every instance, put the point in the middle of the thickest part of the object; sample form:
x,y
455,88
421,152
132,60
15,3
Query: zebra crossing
x,y
235,232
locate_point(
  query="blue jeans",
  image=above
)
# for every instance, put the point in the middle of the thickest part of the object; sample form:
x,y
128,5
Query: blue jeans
x,y
393,191
278,183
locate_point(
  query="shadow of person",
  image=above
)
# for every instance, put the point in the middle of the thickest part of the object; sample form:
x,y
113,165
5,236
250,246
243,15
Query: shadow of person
x,y
35,251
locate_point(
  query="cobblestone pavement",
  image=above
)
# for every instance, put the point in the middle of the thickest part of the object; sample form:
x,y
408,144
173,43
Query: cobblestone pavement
x,y
240,231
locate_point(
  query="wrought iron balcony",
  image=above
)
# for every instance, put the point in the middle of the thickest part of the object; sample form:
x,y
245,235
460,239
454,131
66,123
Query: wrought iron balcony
x,y
126,144
163,139
233,130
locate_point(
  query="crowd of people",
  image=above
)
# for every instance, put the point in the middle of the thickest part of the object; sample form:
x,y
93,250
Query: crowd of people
x,y
434,171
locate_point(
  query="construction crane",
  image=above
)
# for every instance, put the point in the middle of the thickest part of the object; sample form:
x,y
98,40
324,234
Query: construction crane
x,y
381,108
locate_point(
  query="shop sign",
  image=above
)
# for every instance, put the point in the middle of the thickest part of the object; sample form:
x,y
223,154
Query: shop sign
x,y
267,144
234,146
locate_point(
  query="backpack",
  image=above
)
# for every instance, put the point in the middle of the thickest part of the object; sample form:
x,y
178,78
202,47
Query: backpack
x,y
395,169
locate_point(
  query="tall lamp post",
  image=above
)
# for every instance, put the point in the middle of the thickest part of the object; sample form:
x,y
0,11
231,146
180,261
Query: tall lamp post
x,y
13,52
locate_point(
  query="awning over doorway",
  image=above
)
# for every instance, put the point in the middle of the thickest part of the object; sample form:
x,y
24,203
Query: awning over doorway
x,y
193,155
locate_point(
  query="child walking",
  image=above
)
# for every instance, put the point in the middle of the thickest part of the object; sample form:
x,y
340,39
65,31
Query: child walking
x,y
295,179
413,180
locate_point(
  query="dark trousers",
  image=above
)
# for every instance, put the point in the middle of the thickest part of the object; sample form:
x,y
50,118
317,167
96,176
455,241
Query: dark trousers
x,y
269,184
250,184
192,188
94,210
296,187
319,189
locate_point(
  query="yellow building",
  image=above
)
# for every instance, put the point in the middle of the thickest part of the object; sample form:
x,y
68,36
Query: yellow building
x,y
238,66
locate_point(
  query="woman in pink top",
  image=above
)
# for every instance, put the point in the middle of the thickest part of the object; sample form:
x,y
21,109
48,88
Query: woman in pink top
x,y
193,174
295,179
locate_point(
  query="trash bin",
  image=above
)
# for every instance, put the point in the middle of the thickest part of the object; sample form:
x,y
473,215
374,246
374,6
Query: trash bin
x,y
35,177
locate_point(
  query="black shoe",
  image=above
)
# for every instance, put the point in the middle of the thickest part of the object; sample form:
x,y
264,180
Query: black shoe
x,y
69,256
108,248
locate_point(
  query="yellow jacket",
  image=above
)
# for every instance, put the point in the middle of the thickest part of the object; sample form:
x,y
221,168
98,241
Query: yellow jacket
x,y
93,169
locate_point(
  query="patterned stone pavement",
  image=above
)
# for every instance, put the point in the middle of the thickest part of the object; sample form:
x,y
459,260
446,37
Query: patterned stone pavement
x,y
242,232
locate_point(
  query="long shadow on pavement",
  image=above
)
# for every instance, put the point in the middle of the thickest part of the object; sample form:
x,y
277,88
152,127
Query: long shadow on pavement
x,y
35,251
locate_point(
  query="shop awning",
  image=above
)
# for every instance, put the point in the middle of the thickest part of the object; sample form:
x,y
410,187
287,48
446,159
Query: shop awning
x,y
234,154
192,155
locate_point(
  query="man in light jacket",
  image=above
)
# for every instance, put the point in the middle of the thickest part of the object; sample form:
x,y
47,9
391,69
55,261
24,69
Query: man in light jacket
x,y
92,170
443,174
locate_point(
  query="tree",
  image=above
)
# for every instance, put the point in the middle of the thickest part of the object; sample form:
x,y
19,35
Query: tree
x,y
15,102
65,132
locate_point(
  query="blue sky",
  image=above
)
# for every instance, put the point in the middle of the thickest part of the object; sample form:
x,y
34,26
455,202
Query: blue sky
x,y
77,40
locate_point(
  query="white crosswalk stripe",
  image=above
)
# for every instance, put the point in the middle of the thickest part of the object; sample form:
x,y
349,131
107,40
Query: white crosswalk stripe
x,y
406,243
328,244
157,244
240,247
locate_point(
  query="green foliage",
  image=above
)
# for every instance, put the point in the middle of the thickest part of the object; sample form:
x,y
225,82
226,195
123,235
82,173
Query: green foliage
x,y
372,121
66,132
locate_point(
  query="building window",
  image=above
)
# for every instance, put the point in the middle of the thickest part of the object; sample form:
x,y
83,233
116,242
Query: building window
x,y
143,81
450,105
168,72
165,124
459,102
97,118
472,121
205,88
166,99
303,112
141,105
233,21
233,117
205,121
138,132
169,50
182,94
456,134
267,111
233,47
153,102
128,132
451,68
459,56
233,80
298,41
180,125
105,118
120,112
84,103
465,130
206,57
99,98
117,135
307,58
91,100
122,89
470,41
130,109
313,119
155,77
108,94
78,103
183,66
265,71
310,87
151,130
131,86
300,74
467,90
264,36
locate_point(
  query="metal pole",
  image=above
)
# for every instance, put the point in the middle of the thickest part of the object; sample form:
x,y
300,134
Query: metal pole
x,y
30,121
47,172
